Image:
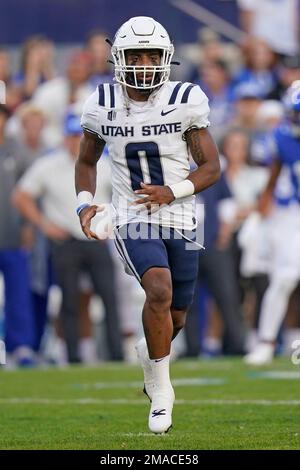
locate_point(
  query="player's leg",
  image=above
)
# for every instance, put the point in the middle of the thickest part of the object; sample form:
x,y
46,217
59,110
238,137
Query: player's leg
x,y
184,269
158,329
273,310
146,257
157,319
274,306
178,319
283,280
183,265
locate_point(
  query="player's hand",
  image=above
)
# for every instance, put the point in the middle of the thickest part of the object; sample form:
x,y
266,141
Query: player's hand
x,y
85,218
154,195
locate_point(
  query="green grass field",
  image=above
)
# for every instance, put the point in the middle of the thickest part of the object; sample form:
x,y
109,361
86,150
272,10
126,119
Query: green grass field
x,y
221,404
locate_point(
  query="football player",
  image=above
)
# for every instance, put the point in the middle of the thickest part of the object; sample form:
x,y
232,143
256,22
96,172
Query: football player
x,y
150,125
284,230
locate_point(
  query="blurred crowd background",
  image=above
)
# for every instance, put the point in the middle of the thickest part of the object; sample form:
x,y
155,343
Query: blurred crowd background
x,y
71,302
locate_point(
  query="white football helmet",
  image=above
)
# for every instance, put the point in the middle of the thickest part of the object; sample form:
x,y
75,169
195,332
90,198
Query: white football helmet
x,y
142,32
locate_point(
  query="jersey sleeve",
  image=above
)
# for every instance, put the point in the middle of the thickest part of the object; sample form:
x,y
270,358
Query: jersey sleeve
x,y
90,116
198,110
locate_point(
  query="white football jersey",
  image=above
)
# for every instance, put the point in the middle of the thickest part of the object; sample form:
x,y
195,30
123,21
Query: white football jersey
x,y
145,144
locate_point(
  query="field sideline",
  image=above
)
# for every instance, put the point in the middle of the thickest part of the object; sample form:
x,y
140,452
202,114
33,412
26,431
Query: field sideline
x,y
221,404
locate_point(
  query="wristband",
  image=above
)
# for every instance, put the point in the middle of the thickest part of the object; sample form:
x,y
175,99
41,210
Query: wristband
x,y
182,189
81,207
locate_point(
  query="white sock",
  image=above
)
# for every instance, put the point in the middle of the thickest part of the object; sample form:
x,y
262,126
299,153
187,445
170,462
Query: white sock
x,y
161,372
274,307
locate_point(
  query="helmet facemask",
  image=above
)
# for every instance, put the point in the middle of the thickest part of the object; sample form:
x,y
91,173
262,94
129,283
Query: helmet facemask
x,y
137,76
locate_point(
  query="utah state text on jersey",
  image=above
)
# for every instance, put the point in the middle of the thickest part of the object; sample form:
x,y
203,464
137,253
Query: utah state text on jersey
x,y
129,131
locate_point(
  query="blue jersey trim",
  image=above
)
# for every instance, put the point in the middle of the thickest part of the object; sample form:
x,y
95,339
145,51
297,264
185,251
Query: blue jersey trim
x,y
112,96
186,94
101,95
175,93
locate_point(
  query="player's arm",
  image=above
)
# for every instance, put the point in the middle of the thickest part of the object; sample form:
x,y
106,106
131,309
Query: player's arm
x,y
91,148
205,154
265,200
